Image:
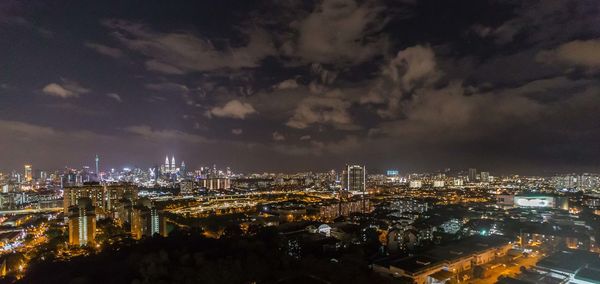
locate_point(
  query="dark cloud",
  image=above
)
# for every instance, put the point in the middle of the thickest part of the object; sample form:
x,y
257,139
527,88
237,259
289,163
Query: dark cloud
x,y
338,31
502,85
181,52
322,110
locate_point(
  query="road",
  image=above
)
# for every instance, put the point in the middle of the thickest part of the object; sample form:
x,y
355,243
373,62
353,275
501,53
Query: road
x,y
31,210
508,271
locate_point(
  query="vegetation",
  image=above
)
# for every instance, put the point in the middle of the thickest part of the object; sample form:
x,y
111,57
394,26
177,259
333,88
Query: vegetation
x,y
188,257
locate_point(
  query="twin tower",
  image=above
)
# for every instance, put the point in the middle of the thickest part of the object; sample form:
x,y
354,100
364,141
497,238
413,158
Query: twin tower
x,y
171,167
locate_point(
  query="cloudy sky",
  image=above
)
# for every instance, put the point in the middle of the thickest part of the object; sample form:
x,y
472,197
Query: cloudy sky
x,y
506,86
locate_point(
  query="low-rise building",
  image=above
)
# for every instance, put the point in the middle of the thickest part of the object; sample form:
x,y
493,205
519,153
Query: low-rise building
x,y
445,262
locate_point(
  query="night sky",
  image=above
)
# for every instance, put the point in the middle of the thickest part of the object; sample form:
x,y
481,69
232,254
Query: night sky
x,y
504,86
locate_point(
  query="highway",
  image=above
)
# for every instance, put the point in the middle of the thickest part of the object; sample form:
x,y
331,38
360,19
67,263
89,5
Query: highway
x,y
30,211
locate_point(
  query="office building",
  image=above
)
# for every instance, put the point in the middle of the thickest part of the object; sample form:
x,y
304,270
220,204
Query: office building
x,y
472,175
169,167
485,176
28,174
353,178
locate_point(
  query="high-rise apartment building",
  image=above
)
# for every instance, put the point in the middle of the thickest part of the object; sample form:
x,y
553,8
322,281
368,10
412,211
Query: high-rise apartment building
x,y
472,175
82,223
104,197
146,220
215,183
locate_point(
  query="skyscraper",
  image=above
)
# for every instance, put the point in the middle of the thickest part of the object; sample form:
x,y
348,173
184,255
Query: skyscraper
x,y
169,167
97,165
82,223
472,175
28,173
354,178
43,175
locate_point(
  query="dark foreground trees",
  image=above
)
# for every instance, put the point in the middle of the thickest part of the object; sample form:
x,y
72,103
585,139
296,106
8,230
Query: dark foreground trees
x,y
186,257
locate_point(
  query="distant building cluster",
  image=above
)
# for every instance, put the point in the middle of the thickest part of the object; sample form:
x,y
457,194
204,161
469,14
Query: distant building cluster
x,y
442,227
585,182
85,204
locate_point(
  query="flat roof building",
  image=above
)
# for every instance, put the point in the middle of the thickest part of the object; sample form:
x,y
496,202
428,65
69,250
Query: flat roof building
x,y
445,262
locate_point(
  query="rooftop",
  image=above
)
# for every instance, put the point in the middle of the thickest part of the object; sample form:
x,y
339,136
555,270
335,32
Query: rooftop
x,y
466,247
588,274
463,248
414,264
570,261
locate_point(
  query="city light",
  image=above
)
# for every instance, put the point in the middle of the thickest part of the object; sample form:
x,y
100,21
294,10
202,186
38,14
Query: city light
x,y
325,141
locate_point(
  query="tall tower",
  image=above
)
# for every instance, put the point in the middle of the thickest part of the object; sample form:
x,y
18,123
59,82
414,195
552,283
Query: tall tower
x,y
354,178
173,164
28,173
97,165
472,175
167,168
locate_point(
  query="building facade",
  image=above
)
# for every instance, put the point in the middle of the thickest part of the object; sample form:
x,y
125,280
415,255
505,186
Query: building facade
x,y
105,198
82,223
354,178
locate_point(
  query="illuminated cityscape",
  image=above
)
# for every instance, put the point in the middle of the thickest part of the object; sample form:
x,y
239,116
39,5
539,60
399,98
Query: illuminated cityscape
x,y
321,141
420,227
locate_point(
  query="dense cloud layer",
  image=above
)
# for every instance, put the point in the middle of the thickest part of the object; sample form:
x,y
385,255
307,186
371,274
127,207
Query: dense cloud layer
x,y
302,85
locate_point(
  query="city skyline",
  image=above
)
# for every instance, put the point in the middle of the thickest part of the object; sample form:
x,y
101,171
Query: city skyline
x,y
403,170
294,86
300,141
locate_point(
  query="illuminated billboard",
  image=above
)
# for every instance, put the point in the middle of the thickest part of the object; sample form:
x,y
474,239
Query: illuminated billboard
x,y
392,172
534,201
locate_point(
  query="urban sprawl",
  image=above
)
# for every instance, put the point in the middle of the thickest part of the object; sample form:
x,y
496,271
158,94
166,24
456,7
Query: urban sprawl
x,y
450,226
